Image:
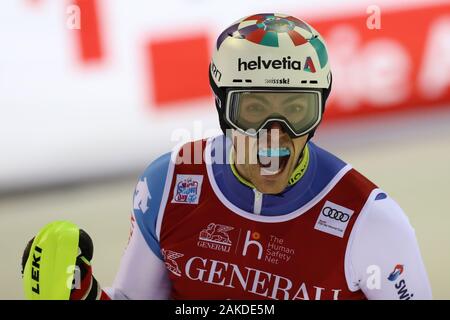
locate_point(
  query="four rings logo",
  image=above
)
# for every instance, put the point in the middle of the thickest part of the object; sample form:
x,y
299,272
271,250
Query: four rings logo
x,y
333,219
335,214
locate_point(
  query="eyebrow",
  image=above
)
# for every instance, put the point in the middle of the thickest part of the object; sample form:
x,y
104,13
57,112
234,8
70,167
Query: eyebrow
x,y
293,98
287,100
260,98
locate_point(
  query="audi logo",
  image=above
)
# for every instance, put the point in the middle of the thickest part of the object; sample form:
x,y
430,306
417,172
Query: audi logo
x,y
335,214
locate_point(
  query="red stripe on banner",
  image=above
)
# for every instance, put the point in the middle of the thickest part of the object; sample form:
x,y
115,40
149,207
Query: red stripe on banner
x,y
89,37
178,68
34,2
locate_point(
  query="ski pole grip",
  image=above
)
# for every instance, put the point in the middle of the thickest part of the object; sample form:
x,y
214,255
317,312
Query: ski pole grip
x,y
49,270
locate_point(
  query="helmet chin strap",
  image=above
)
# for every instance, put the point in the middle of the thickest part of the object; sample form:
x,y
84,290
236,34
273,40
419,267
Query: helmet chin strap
x,y
301,166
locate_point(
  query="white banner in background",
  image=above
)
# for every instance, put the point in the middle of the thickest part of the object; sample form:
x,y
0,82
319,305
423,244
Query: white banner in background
x,y
93,97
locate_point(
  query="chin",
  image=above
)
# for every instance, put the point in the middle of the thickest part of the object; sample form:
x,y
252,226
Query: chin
x,y
269,190
271,187
272,184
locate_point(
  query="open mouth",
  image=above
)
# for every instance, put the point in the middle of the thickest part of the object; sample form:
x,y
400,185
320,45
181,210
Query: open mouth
x,y
273,160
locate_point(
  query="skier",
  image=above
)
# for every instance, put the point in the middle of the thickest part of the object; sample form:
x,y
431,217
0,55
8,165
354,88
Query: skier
x,y
265,213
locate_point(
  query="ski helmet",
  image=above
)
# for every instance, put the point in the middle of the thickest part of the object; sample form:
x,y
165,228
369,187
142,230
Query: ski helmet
x,y
269,52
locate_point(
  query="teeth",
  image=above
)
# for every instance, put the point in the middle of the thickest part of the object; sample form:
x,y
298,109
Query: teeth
x,y
270,165
269,171
269,160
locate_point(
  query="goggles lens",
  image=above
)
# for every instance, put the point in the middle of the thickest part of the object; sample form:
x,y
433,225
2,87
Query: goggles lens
x,y
299,110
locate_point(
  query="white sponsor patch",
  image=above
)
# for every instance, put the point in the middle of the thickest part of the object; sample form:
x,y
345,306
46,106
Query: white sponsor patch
x,y
187,188
333,219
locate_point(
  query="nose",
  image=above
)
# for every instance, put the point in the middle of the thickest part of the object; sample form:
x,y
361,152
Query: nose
x,y
276,126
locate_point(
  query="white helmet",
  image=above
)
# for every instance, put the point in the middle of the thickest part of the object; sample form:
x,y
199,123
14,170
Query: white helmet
x,y
270,52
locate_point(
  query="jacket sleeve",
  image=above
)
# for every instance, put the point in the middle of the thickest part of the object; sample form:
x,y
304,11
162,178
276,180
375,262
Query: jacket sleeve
x,y
384,259
142,273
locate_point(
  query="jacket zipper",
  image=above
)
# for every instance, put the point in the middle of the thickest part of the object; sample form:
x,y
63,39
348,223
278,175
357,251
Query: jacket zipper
x,y
257,204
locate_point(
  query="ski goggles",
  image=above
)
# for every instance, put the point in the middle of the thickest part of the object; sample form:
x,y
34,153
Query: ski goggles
x,y
298,111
